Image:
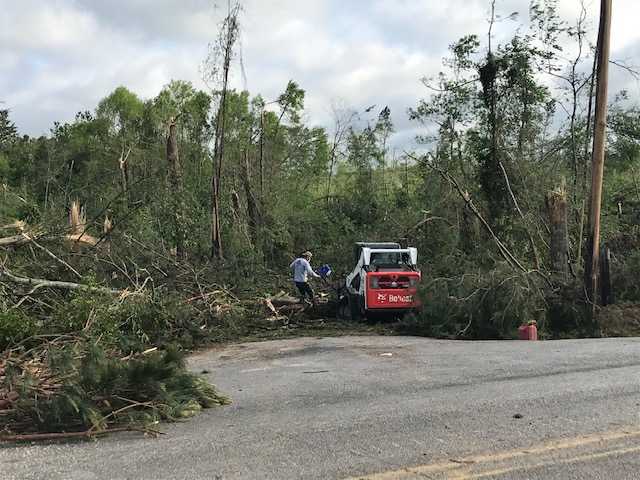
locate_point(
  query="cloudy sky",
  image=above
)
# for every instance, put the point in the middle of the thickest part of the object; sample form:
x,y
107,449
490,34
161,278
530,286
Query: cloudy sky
x,y
58,57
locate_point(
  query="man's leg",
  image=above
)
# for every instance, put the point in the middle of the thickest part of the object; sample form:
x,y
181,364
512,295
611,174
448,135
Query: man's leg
x,y
309,292
302,290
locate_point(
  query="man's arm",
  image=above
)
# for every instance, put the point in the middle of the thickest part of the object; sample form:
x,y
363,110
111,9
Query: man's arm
x,y
310,270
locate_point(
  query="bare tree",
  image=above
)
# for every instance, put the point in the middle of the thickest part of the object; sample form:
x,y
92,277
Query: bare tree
x,y
218,65
343,119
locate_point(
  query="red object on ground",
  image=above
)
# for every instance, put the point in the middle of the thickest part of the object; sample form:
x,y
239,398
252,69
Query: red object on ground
x,y
528,332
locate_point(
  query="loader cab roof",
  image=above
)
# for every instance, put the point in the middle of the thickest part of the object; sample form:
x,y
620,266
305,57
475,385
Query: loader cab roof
x,y
382,245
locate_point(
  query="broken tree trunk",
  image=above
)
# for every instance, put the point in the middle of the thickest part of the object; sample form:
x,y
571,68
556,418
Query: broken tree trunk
x,y
559,246
123,164
78,235
107,228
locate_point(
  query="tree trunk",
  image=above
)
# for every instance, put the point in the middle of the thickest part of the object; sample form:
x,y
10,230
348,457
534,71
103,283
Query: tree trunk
x,y
559,245
606,293
252,206
468,230
176,190
261,163
123,165
216,238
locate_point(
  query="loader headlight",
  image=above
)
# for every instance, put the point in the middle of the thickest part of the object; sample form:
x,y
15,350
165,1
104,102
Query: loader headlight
x,y
373,282
413,281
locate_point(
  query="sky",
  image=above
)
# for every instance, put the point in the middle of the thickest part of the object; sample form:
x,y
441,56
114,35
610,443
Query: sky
x,y
58,57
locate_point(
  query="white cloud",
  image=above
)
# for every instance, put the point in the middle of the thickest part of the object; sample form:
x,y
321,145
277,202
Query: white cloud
x,y
61,56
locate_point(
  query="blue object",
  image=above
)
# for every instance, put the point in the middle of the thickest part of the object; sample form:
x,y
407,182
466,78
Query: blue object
x,y
324,271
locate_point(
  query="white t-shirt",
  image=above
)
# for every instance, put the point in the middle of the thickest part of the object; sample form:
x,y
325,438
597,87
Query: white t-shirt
x,y
301,269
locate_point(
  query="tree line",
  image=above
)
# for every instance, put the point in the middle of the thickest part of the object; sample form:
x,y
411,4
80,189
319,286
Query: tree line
x,y
237,184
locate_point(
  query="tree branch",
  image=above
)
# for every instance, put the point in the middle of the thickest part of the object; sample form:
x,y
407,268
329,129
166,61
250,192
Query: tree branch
x,y
40,283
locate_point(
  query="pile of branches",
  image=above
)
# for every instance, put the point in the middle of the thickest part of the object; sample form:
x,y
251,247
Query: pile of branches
x,y
71,386
91,329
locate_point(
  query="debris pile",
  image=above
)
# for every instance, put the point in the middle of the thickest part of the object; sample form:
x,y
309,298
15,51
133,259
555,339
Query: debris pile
x,y
70,386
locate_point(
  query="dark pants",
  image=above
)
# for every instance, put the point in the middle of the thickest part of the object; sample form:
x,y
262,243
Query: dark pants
x,y
305,290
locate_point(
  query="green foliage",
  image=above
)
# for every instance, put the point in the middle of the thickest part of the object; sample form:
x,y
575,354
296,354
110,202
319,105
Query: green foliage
x,y
130,324
15,326
98,389
122,109
626,267
8,130
487,305
567,314
100,361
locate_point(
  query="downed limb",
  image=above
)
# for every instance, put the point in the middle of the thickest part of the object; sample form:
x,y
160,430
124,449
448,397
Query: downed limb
x,y
35,437
281,301
38,283
423,222
17,225
285,306
21,238
504,251
532,244
51,254
14,241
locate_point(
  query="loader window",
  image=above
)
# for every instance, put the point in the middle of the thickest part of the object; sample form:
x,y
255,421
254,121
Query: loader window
x,y
355,283
390,260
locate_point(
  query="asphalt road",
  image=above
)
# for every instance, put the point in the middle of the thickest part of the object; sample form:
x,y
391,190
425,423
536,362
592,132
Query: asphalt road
x,y
385,408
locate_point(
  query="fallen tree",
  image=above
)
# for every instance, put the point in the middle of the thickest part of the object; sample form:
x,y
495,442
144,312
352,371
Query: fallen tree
x,y
14,240
283,305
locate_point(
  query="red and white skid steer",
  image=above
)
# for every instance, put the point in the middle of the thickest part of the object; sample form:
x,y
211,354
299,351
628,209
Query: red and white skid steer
x,y
383,282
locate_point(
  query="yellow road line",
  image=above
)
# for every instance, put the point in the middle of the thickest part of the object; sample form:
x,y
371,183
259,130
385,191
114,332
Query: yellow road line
x,y
467,462
578,459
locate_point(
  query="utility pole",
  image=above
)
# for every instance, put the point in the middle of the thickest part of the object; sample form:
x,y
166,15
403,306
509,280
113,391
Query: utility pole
x,y
597,162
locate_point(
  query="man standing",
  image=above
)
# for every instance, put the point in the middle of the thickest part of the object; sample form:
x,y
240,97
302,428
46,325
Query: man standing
x,y
301,270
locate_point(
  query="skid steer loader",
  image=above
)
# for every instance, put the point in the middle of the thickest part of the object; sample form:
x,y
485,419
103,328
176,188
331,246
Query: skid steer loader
x,y
384,281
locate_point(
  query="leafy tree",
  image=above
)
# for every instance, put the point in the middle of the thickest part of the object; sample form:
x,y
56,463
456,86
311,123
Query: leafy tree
x,y
8,130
